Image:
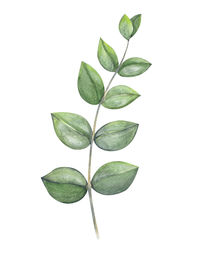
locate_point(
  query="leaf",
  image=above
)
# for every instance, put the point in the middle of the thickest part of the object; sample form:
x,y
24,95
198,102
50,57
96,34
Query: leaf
x,y
66,185
90,84
114,177
107,56
133,67
72,129
136,20
119,97
126,27
115,135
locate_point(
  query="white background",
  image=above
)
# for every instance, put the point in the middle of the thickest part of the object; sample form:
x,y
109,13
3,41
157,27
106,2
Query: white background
x,y
41,46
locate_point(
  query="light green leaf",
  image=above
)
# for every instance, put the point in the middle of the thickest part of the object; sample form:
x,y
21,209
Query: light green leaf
x,y
126,27
90,84
114,177
119,97
136,20
72,129
66,185
115,135
107,56
133,67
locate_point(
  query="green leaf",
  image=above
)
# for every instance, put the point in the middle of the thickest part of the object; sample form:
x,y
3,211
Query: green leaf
x,y
66,185
115,135
72,129
107,56
114,177
126,27
119,97
90,84
133,67
136,20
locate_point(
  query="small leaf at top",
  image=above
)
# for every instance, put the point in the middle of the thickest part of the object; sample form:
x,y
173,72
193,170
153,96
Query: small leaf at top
x,y
119,97
114,177
107,56
133,67
90,84
66,185
136,20
72,129
126,27
115,135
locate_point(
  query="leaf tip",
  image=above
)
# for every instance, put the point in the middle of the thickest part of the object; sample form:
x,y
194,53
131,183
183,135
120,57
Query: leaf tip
x,y
52,115
136,169
136,125
149,65
100,44
139,17
125,16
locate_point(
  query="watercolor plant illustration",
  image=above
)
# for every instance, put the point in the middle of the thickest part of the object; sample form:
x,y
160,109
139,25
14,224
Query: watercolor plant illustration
x,y
68,185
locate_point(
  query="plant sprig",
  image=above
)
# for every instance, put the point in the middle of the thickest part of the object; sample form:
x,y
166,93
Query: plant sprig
x,y
68,185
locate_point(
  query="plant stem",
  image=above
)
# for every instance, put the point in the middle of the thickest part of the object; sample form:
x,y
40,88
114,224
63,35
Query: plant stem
x,y
92,141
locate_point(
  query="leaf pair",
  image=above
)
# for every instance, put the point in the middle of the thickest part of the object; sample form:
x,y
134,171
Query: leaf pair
x,y
68,185
131,67
128,27
75,132
91,87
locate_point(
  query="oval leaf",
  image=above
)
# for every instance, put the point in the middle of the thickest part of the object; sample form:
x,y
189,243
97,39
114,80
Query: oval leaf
x,y
119,97
133,67
114,177
126,27
90,84
115,135
107,56
72,129
66,185
136,20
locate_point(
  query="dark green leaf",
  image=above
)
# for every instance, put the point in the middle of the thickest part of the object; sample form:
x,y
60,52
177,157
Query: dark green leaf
x,y
126,27
115,135
119,97
136,20
66,185
133,67
107,56
114,177
72,129
90,84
